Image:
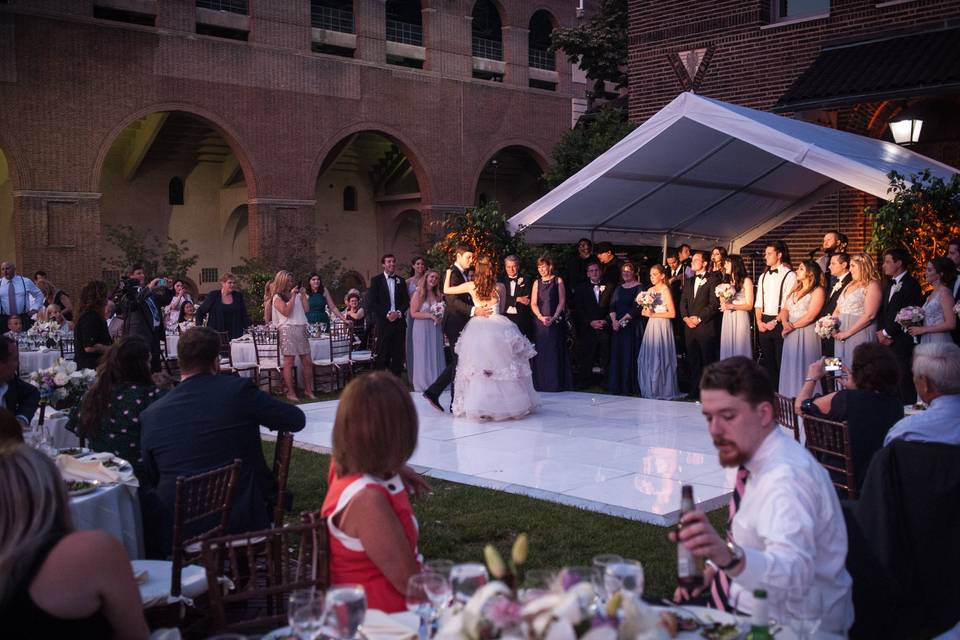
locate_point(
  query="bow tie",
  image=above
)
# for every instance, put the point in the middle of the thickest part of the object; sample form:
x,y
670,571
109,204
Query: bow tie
x,y
772,270
702,276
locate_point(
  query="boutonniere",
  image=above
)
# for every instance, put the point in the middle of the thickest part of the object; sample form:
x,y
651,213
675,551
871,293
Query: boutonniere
x,y
603,288
896,287
836,287
520,280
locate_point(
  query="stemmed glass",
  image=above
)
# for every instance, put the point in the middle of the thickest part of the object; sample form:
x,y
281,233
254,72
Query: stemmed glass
x,y
804,611
426,592
440,566
466,578
346,607
625,576
305,610
599,577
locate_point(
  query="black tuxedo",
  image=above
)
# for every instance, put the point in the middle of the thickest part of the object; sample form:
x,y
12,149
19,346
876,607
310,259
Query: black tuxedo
x,y
703,347
826,344
22,398
908,295
455,318
391,336
593,345
523,317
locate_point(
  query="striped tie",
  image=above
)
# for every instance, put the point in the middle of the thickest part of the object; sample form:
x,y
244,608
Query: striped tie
x,y
720,587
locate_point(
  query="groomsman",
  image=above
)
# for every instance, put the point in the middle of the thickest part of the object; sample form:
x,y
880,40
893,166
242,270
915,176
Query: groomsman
x,y
517,305
899,290
953,252
593,324
775,285
576,267
833,242
610,264
389,302
839,269
699,309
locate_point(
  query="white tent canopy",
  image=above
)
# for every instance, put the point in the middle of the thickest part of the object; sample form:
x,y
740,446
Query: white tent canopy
x,y
708,172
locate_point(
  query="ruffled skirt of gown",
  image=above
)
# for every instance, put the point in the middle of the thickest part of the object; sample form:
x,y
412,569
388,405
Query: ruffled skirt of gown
x,y
493,379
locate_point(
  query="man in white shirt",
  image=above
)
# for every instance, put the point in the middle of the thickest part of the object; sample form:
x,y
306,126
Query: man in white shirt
x,y
19,296
787,534
936,375
772,290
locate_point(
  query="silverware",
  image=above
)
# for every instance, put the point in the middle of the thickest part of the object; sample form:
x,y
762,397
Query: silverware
x,y
696,618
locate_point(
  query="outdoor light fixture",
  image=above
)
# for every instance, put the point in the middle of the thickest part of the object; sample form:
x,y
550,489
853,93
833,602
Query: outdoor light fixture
x,y
906,131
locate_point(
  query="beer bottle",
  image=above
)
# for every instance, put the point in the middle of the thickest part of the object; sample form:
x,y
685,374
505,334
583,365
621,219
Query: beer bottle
x,y
760,620
689,567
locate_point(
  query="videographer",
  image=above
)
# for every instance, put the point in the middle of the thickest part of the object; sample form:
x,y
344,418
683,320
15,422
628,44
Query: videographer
x,y
140,311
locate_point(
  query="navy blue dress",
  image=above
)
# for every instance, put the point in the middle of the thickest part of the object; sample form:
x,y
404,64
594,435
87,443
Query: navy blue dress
x,y
551,365
625,343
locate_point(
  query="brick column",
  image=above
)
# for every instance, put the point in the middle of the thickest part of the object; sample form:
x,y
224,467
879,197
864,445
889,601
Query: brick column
x,y
279,226
516,55
281,24
370,21
447,36
59,232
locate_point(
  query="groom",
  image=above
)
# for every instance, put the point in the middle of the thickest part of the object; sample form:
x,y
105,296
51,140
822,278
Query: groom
x,y
459,311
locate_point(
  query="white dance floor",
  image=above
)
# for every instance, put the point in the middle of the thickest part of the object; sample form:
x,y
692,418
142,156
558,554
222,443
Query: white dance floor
x,y
621,456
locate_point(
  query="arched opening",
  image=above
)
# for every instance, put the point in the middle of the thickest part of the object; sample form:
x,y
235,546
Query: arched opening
x,y
8,240
487,41
512,177
404,33
386,184
542,62
204,203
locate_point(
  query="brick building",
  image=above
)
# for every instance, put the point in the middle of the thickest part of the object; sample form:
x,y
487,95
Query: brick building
x,y
856,65
336,128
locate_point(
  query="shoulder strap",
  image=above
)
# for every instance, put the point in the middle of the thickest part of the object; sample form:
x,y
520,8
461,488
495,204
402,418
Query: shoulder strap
x,y
780,297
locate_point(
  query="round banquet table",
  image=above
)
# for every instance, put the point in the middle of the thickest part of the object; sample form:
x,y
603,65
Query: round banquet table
x,y
172,342
31,361
243,352
55,423
114,509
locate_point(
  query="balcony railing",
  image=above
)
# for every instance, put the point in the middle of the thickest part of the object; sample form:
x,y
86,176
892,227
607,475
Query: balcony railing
x,y
540,59
489,49
404,32
233,6
330,18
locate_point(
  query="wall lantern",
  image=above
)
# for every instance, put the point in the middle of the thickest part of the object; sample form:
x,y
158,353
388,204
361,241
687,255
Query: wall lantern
x,y
906,131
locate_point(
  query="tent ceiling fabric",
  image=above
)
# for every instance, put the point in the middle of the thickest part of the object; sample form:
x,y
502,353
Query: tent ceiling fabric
x,y
704,171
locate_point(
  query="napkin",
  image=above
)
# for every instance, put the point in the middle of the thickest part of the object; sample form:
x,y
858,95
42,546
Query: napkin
x,y
85,470
382,626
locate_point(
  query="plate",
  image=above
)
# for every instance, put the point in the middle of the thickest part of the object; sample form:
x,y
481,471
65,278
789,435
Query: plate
x,y
79,488
119,464
280,634
75,452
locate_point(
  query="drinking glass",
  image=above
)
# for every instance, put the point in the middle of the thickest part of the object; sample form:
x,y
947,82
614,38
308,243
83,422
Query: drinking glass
x,y
536,582
305,613
804,612
625,576
346,607
425,592
440,566
466,578
599,577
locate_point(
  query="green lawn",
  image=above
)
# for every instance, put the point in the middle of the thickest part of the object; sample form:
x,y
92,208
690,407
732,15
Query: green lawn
x,y
457,520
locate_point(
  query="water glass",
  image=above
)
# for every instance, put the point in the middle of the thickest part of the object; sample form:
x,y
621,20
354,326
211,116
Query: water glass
x,y
426,592
305,611
536,582
466,578
804,611
440,566
625,576
599,577
346,607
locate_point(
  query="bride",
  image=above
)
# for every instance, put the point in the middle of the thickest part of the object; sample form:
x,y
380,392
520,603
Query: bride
x,y
493,379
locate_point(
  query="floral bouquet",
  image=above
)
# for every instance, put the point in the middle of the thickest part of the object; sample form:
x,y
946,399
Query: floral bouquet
x,y
647,299
826,327
45,332
956,309
910,317
62,384
725,291
437,309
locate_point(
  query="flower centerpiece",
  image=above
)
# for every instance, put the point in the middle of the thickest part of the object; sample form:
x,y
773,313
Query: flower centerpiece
x,y
62,385
956,308
827,327
437,309
725,291
647,299
45,333
910,317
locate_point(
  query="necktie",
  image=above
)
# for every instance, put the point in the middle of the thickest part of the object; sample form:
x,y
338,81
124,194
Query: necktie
x,y
720,587
596,292
772,270
11,298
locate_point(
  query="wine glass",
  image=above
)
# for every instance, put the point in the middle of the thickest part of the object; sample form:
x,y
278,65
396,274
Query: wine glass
x,y
804,611
346,607
536,582
625,576
305,613
426,592
599,577
440,566
466,578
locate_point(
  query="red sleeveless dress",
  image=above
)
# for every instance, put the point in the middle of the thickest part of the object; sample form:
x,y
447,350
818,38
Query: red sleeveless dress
x,y
349,563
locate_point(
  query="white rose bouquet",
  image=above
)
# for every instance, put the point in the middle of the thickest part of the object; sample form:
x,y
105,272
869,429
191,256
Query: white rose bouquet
x,y
45,332
826,327
437,309
910,317
725,291
62,383
956,309
648,300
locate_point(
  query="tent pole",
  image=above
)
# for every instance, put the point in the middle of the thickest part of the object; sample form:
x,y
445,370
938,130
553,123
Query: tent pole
x,y
664,257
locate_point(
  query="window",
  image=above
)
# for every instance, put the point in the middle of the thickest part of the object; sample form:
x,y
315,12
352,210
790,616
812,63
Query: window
x,y
221,32
119,15
487,31
233,6
209,274
349,199
790,9
332,15
175,191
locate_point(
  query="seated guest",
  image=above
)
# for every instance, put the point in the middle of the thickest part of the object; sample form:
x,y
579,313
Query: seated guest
x,y
373,532
224,309
355,314
786,533
171,312
11,431
936,375
53,314
14,327
19,397
187,316
54,581
52,295
109,414
206,422
869,402
91,336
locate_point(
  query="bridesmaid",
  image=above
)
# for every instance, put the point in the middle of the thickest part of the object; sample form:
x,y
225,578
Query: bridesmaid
x,y
427,349
625,341
735,331
939,320
418,271
551,366
657,362
718,256
857,308
801,345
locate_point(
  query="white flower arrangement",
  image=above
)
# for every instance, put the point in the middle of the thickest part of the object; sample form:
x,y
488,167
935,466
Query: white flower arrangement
x,y
62,381
826,327
45,331
725,291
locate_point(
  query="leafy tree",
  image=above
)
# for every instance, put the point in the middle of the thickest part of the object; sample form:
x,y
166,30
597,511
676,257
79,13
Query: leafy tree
x,y
599,46
485,229
583,144
170,258
922,217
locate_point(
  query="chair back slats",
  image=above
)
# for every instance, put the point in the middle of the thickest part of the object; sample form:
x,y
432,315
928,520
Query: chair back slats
x,y
264,567
266,345
282,453
829,442
785,415
67,348
199,498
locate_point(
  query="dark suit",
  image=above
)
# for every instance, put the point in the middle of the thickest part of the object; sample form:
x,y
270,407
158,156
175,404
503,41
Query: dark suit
x,y
523,317
826,345
391,336
703,347
593,345
22,398
611,272
455,318
909,295
142,318
202,424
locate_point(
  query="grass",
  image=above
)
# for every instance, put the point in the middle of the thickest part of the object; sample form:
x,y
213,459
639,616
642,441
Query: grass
x,y
456,521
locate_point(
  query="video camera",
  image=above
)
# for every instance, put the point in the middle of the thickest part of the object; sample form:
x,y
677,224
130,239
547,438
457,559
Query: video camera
x,y
125,295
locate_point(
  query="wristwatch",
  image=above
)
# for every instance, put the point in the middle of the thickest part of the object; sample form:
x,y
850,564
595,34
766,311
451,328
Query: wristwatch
x,y
736,557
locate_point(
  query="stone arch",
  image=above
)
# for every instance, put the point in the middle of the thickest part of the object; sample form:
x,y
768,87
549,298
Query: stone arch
x,y
512,175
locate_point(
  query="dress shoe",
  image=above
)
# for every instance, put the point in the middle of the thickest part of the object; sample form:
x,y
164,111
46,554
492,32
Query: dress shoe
x,y
434,402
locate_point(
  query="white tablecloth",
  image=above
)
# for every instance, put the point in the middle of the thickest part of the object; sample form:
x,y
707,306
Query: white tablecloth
x,y
56,424
172,342
114,509
243,352
31,361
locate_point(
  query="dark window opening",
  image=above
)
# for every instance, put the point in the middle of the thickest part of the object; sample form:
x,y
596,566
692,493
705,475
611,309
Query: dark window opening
x,y
119,15
349,199
790,9
221,32
332,15
175,191
331,50
487,31
492,76
541,84
411,63
233,6
404,22
539,54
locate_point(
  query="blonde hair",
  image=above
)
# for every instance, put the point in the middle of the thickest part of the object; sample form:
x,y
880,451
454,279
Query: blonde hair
x,y
868,270
34,513
279,284
223,278
422,290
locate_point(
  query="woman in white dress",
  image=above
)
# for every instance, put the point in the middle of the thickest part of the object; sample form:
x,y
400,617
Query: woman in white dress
x,y
290,317
172,311
657,362
857,308
801,344
427,336
938,316
735,330
493,379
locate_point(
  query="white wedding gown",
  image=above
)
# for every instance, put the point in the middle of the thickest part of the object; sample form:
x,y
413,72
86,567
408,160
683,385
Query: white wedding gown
x,y
493,379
